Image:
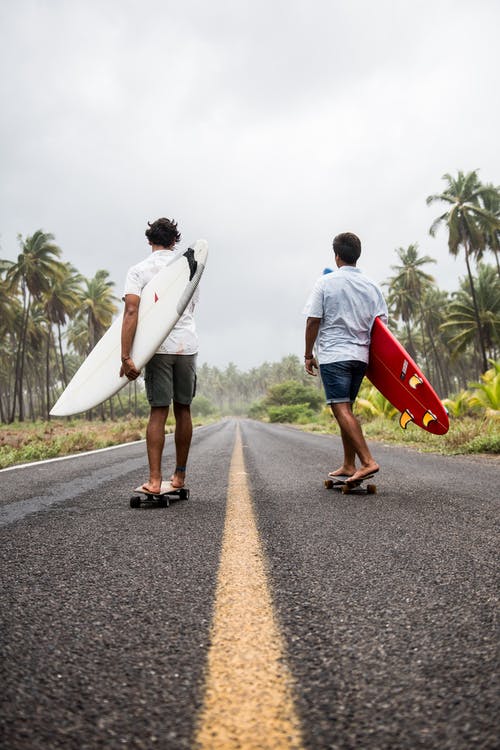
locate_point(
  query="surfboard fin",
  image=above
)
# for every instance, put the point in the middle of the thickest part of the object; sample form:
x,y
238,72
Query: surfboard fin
x,y
193,265
415,381
428,418
405,418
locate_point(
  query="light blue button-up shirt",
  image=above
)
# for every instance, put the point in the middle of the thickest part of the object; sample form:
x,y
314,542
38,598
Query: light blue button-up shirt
x,y
347,302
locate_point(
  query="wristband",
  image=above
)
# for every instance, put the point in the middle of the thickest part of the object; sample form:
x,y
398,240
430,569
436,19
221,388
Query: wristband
x,y
311,357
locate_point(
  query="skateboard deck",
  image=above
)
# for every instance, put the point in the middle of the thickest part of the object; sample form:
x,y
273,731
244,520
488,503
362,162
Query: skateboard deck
x,y
351,488
163,498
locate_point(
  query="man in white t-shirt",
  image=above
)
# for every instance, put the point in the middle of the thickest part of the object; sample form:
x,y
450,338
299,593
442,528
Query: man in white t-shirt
x,y
341,311
171,373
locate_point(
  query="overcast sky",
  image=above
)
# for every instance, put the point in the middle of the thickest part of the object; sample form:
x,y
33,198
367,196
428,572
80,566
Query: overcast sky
x,y
265,126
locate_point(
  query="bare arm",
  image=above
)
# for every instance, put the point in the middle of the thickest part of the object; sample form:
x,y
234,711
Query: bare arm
x,y
129,327
312,328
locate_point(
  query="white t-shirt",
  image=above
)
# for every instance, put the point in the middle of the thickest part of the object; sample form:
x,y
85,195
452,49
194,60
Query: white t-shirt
x,y
347,302
183,338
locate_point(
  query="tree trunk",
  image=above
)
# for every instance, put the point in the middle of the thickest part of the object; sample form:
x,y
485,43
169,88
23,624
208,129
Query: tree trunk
x,y
476,311
61,354
411,347
20,365
442,377
423,327
47,375
17,366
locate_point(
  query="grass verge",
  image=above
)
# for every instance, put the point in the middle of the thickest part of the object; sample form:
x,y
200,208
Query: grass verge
x,y
468,435
25,442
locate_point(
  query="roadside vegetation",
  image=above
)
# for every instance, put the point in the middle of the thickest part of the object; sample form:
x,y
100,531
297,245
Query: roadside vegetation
x,y
474,416
474,422
51,317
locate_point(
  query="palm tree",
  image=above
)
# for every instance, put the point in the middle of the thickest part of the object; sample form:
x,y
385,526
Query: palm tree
x,y
407,287
97,306
461,313
401,307
10,316
434,310
469,226
491,202
61,302
8,305
37,335
32,274
77,336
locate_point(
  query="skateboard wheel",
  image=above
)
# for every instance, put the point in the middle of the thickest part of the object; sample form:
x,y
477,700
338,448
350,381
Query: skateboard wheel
x,y
328,484
184,494
371,489
345,489
135,502
163,502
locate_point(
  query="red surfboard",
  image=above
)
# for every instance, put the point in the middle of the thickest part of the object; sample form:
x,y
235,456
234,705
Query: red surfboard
x,y
394,373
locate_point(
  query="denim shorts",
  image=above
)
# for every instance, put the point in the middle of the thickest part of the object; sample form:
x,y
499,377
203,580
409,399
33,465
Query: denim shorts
x,y
342,380
171,376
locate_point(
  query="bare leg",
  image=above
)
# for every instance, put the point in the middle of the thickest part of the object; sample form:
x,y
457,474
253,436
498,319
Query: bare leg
x,y
183,435
155,440
349,464
354,442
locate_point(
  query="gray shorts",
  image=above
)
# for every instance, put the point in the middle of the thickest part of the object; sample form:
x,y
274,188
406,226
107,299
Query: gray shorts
x,y
171,376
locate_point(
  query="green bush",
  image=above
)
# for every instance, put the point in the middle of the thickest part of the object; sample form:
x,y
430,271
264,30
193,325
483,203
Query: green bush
x,y
202,407
487,393
459,405
484,444
293,393
258,410
290,413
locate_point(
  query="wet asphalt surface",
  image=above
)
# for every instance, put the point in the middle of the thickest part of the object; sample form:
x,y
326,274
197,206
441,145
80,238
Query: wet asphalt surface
x,y
388,603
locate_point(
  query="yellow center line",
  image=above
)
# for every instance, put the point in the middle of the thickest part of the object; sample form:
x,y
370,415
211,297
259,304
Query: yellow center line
x,y
248,691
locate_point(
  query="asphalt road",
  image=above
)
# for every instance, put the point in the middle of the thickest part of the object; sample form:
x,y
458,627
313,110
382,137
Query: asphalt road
x,y
387,603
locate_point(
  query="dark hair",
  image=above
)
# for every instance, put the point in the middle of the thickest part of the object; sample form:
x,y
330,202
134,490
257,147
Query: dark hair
x,y
163,232
348,247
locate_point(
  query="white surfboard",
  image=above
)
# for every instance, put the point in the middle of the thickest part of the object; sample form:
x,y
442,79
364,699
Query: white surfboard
x,y
163,300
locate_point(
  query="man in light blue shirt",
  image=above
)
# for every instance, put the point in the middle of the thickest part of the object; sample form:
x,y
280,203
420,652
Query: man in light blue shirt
x,y
341,311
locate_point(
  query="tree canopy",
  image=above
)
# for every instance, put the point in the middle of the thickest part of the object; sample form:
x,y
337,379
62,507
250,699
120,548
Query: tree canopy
x,y
51,317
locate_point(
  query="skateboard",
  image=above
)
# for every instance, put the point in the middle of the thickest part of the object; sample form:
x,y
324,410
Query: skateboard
x,y
163,498
351,488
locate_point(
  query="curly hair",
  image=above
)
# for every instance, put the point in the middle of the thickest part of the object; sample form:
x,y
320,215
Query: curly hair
x,y
163,232
348,247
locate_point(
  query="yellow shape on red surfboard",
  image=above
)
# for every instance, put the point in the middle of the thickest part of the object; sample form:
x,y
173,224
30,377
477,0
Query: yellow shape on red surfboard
x,y
428,418
415,381
405,419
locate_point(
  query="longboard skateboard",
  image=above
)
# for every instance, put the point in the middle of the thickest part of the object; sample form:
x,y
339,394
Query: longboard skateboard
x,y
163,498
351,488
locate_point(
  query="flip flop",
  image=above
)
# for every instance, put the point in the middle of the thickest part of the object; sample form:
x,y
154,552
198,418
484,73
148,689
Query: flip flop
x,y
362,479
149,492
